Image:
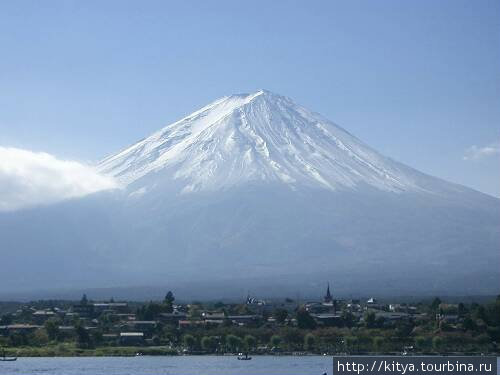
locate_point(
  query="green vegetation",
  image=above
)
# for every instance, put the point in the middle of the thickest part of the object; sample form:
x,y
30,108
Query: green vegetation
x,y
87,328
71,350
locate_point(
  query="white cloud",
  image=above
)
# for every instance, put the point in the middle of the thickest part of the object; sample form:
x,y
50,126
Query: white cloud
x,y
30,178
476,153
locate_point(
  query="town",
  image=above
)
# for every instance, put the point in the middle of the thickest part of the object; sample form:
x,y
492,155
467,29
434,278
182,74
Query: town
x,y
257,326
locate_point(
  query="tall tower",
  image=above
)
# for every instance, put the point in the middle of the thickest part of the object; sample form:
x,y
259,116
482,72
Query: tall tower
x,y
328,297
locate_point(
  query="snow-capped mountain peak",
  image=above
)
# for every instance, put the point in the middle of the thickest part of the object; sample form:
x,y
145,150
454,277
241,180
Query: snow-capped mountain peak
x,y
303,201
257,137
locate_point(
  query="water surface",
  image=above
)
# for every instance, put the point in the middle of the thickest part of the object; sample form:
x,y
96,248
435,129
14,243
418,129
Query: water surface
x,y
185,365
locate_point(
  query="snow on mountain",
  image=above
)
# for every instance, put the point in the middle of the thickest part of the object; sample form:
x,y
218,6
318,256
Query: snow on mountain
x,y
257,137
254,190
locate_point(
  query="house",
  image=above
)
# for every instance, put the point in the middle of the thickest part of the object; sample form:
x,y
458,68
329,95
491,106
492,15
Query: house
x,y
41,316
448,308
110,337
111,307
191,323
213,318
396,307
244,319
372,303
70,316
67,329
131,338
448,318
83,310
411,309
142,324
18,328
173,317
146,326
391,317
211,315
123,317
318,308
353,306
327,319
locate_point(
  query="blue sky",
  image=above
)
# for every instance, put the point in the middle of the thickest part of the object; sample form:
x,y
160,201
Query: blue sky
x,y
417,80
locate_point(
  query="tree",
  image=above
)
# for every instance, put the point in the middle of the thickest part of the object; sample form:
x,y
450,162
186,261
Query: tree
x,y
462,310
52,328
292,336
403,328
348,318
96,336
151,311
18,339
171,334
189,341
208,343
304,320
275,341
437,343
6,319
309,341
480,313
494,312
195,311
483,339
169,297
351,342
469,324
280,315
365,341
370,319
234,342
250,342
82,336
378,343
40,337
445,327
435,304
169,302
421,343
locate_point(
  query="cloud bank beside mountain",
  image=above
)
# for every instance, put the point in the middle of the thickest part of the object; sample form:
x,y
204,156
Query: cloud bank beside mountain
x,y
30,178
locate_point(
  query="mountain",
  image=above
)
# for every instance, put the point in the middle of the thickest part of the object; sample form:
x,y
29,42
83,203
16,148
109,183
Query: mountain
x,y
260,138
256,192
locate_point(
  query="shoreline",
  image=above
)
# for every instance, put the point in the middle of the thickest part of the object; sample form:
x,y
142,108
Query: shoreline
x,y
159,351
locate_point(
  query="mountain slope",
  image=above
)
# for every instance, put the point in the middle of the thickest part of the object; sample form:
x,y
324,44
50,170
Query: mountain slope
x,y
254,190
254,138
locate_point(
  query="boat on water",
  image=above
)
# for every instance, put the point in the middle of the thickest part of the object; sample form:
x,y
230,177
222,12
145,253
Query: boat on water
x,y
244,358
3,358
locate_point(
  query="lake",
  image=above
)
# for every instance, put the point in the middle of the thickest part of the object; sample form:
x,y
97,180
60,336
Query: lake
x,y
169,365
186,365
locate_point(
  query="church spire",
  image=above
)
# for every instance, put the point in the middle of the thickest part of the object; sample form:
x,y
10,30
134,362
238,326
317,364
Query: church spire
x,y
328,297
